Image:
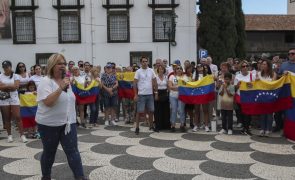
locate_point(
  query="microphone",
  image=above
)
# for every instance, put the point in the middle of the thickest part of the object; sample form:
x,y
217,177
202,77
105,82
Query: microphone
x,y
63,75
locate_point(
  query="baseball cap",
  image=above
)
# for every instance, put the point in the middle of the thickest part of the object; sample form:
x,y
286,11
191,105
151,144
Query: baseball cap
x,y
6,63
109,65
177,62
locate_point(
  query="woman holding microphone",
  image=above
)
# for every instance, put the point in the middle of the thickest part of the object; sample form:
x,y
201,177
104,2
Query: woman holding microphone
x,y
56,118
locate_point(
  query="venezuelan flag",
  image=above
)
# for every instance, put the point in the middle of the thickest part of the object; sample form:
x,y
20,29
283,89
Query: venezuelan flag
x,y
289,125
28,109
198,92
85,95
266,97
125,81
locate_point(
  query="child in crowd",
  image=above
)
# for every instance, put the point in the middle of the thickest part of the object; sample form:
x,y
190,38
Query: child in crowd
x,y
227,91
29,123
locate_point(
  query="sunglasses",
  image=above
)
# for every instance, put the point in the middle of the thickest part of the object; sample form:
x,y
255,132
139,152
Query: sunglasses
x,y
178,69
21,66
292,53
71,64
145,61
245,66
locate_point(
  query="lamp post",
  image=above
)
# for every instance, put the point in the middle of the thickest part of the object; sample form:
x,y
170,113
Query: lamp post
x,y
170,32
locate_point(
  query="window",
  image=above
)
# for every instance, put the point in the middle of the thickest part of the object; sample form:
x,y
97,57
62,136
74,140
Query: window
x,y
163,25
23,27
42,58
136,55
69,27
118,26
291,1
289,37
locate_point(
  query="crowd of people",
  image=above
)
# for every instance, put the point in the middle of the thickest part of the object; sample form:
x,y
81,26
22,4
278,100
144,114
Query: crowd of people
x,y
156,93
156,99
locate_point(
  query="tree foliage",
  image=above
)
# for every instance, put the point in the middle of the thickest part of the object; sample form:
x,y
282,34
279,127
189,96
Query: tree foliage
x,y
221,29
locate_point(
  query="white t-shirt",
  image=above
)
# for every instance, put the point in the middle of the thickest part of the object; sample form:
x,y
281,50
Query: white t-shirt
x,y
162,85
24,80
63,109
80,79
174,79
37,79
9,81
240,77
214,69
268,78
144,84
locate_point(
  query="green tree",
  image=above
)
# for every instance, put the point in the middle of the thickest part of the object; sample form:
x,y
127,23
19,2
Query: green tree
x,y
240,26
221,27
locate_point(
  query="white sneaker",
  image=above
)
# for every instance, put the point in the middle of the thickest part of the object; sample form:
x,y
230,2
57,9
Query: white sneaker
x,y
113,123
239,125
24,139
195,129
230,132
107,123
267,133
207,129
222,131
10,139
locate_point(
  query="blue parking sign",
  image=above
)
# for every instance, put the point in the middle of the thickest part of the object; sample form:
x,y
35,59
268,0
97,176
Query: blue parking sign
x,y
203,53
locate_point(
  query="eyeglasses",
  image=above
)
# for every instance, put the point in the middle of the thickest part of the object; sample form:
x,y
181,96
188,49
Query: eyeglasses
x,y
245,66
291,53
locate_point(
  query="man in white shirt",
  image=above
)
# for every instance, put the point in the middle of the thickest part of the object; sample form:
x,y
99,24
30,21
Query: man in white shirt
x,y
213,67
145,84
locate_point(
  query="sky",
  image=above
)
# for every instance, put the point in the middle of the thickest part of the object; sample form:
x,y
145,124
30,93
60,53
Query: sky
x,y
265,6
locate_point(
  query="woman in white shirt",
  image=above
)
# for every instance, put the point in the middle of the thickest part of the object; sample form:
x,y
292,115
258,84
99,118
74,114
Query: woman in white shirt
x,y
162,106
37,77
245,76
266,74
9,82
24,77
176,104
56,118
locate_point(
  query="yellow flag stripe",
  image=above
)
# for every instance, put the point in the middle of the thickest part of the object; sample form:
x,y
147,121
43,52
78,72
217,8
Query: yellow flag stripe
x,y
207,80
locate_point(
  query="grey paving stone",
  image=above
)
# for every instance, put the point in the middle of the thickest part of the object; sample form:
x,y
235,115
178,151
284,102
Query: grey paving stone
x,y
198,137
274,159
226,170
63,171
270,140
107,148
131,134
157,142
117,128
37,144
184,154
237,147
156,174
92,139
133,162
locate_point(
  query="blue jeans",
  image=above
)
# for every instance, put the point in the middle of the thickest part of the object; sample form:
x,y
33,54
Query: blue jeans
x,y
266,122
176,106
51,137
94,111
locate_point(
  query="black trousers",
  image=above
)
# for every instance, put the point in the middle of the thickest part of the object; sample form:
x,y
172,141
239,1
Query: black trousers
x,y
227,119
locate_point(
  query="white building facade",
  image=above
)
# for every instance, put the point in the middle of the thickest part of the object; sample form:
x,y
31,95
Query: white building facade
x,y
99,31
291,6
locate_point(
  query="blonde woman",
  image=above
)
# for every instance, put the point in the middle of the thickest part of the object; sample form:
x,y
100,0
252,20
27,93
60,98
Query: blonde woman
x,y
94,106
56,118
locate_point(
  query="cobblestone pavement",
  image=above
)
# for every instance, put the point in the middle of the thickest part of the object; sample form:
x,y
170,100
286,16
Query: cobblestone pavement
x,y
115,152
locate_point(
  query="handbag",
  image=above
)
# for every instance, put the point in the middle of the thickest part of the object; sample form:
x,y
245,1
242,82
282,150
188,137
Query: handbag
x,y
4,95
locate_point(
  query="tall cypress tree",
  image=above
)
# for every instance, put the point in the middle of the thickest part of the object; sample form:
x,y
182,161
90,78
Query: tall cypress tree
x,y
221,29
208,32
227,29
240,26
